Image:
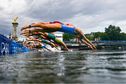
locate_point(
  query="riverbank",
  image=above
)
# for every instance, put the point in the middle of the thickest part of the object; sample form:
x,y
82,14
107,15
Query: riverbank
x,y
112,45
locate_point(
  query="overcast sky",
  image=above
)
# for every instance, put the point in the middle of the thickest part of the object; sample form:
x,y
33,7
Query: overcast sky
x,y
89,15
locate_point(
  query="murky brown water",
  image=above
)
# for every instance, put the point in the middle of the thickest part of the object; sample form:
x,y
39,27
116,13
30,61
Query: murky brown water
x,y
85,67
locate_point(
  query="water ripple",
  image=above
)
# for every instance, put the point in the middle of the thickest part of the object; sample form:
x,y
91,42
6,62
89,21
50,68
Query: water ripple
x,y
108,67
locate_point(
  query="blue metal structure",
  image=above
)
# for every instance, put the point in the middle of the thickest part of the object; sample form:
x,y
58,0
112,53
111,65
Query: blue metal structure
x,y
8,46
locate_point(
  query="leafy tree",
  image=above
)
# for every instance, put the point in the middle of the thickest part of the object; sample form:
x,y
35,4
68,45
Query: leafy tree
x,y
90,36
67,37
123,36
96,35
100,35
113,33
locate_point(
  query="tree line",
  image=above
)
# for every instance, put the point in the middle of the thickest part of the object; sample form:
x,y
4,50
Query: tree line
x,y
111,33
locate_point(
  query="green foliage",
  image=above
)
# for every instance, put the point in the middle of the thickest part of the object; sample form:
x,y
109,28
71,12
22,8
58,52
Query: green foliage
x,y
113,33
68,37
89,36
123,36
99,35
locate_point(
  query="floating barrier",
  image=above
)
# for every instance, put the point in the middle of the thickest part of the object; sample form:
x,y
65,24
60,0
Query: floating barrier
x,y
8,46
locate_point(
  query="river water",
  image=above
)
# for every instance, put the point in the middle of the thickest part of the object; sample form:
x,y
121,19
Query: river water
x,y
83,67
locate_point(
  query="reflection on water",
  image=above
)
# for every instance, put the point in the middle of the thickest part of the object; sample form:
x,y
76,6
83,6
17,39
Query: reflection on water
x,y
108,67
